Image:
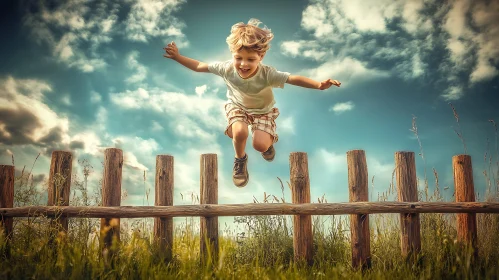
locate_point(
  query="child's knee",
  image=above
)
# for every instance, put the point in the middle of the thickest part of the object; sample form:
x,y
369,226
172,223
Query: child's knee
x,y
260,144
238,131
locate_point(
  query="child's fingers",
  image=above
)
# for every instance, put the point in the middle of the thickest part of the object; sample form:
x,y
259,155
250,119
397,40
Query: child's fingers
x,y
170,50
336,83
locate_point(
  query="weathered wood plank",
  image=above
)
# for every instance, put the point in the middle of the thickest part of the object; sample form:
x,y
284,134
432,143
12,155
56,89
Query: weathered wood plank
x,y
7,176
359,223
209,197
300,192
465,192
163,227
59,184
111,195
407,189
254,209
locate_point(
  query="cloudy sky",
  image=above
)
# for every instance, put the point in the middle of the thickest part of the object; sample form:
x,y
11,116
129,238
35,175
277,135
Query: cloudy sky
x,y
84,76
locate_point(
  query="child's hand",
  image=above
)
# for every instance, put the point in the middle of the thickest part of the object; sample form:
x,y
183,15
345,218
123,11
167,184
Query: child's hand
x,y
171,51
328,83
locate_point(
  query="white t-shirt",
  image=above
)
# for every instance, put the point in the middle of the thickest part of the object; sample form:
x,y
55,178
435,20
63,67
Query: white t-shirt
x,y
253,94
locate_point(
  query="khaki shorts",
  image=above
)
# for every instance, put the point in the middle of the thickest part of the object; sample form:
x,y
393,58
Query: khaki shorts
x,y
264,122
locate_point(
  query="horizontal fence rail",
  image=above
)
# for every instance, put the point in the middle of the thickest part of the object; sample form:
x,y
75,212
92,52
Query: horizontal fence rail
x,y
251,209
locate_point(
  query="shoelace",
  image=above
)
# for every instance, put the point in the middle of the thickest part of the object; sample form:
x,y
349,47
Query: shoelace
x,y
238,167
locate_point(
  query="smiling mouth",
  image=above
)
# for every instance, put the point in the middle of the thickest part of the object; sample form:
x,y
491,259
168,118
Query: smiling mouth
x,y
244,70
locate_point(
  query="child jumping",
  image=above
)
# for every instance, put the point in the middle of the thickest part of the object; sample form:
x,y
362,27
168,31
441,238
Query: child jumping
x,y
249,91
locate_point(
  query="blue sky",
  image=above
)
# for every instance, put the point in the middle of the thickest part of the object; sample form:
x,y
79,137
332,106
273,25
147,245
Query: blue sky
x,y
87,75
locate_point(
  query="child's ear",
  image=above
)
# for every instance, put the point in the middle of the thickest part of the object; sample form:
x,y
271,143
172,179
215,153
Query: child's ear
x,y
262,55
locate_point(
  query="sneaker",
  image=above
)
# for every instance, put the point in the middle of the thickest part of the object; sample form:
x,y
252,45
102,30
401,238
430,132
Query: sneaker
x,y
240,175
269,154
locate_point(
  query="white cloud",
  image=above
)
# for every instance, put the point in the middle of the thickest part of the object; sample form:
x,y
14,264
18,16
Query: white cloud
x,y
140,70
152,18
456,22
343,25
315,19
156,126
339,18
66,99
101,119
316,55
20,96
413,22
201,90
484,71
346,70
455,25
191,117
189,128
464,40
133,146
130,160
4,132
366,15
308,49
332,161
286,125
95,97
339,108
292,48
380,174
148,146
73,31
453,93
92,142
486,16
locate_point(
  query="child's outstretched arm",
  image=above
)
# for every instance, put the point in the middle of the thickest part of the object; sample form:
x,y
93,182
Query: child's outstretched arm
x,y
172,53
309,83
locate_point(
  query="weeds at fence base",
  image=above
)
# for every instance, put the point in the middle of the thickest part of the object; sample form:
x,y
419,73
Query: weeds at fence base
x,y
140,256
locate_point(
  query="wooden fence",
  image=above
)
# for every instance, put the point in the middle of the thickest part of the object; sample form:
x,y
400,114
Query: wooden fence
x,y
208,210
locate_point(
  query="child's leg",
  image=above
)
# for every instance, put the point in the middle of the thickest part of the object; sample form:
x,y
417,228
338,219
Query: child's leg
x,y
238,131
262,140
264,130
237,128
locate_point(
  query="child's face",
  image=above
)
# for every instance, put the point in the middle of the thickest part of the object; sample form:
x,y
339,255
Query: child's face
x,y
246,62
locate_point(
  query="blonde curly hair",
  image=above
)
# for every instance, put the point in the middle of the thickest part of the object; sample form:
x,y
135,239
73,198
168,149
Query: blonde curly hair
x,y
249,36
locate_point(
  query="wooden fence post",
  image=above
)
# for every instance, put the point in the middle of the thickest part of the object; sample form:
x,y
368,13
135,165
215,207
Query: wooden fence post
x,y
300,193
6,201
465,192
163,227
209,195
59,185
359,223
111,196
407,189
